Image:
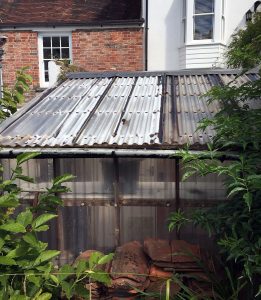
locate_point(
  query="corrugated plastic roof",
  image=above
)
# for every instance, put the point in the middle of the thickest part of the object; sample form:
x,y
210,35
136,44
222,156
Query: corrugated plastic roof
x,y
120,110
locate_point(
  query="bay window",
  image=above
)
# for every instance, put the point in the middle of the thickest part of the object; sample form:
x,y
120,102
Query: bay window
x,y
202,42
203,19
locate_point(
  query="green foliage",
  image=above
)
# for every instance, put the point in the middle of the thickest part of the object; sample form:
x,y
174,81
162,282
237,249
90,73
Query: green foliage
x,y
236,223
84,272
27,269
23,257
244,50
177,219
65,68
13,97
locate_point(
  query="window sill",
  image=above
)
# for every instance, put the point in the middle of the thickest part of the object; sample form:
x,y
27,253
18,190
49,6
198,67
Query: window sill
x,y
202,43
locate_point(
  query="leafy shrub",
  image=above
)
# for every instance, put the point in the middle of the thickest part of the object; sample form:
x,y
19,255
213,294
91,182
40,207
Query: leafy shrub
x,y
12,97
27,269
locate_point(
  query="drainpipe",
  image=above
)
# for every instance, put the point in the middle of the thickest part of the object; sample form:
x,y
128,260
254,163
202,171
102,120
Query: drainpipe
x,y
146,34
2,42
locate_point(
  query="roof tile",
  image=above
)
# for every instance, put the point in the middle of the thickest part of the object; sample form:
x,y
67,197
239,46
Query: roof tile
x,y
65,12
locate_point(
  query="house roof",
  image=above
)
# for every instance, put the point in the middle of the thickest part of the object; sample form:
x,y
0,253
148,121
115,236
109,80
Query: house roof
x,y
68,12
119,110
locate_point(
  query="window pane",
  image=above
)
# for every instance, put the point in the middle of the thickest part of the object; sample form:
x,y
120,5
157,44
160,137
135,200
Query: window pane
x,y
46,76
47,53
46,41
64,41
46,65
204,6
203,27
65,53
56,53
56,41
184,8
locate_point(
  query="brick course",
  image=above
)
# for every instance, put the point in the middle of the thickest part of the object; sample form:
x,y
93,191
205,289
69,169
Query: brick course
x,y
92,50
21,50
105,50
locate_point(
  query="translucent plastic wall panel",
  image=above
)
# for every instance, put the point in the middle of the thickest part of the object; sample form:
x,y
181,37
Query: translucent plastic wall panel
x,y
197,235
86,228
147,179
141,222
41,170
208,187
94,177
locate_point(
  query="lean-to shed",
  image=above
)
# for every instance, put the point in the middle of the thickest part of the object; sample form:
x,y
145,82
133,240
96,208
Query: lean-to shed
x,y
118,133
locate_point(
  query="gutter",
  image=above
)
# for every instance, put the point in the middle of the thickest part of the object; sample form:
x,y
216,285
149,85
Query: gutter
x,y
137,22
106,152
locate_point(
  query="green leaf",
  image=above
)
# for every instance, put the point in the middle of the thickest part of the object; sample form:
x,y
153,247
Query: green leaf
x,y
54,279
25,218
2,242
94,258
25,178
42,228
105,259
63,178
44,296
7,261
248,197
101,277
8,200
65,271
236,190
31,277
81,291
42,219
46,269
13,227
67,288
19,251
31,239
81,267
21,158
46,256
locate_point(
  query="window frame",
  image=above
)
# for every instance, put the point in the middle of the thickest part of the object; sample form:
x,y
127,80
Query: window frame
x,y
219,12
41,35
203,14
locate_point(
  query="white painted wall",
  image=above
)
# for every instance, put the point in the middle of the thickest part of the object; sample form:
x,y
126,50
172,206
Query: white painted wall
x,y
164,34
166,50
235,16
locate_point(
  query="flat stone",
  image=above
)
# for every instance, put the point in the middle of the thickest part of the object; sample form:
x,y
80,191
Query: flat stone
x,y
157,273
184,252
167,265
130,262
158,250
125,285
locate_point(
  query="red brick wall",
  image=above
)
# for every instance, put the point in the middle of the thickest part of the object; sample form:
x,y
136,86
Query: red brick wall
x,y
95,50
21,50
114,49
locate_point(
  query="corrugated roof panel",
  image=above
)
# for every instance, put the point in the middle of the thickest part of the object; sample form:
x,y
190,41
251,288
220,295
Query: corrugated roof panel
x,y
150,109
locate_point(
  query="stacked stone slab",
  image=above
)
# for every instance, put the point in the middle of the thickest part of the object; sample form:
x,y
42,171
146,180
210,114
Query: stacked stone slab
x,y
146,268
